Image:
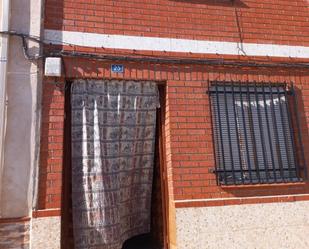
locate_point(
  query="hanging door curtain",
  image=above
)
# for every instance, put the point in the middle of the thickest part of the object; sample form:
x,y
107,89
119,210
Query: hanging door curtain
x,y
113,143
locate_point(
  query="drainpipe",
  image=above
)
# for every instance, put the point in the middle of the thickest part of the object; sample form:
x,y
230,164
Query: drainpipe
x,y
5,17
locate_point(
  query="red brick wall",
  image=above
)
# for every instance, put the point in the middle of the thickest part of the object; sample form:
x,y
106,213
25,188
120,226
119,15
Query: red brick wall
x,y
192,149
263,21
188,129
190,158
191,136
51,156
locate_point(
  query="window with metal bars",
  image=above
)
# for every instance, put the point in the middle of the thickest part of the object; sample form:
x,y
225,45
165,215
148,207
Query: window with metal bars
x,y
256,133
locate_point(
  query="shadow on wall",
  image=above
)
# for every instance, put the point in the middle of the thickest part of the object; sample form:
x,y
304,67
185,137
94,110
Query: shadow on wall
x,y
54,15
223,3
301,108
54,19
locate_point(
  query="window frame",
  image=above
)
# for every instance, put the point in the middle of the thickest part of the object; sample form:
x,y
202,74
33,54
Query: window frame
x,y
292,117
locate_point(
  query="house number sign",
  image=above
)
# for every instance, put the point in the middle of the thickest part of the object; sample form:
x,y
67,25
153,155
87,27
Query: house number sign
x,y
117,68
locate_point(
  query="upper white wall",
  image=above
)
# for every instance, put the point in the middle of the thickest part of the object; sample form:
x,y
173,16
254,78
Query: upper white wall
x,y
23,92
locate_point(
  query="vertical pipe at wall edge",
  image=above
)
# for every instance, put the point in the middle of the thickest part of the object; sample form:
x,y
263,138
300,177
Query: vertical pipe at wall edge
x,y
4,43
40,76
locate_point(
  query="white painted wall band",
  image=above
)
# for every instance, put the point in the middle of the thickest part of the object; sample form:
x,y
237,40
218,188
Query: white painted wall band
x,y
173,45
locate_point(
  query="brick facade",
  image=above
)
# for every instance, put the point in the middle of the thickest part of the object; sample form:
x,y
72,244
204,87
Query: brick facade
x,y
51,156
188,134
189,143
279,22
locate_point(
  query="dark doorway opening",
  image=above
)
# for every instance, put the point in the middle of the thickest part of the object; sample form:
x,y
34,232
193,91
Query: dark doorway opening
x,y
157,238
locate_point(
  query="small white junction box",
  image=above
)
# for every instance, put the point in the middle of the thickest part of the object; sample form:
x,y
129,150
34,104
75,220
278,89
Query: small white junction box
x,y
53,66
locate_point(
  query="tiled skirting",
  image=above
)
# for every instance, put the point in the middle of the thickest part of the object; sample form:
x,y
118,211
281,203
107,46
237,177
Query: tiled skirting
x,y
15,233
46,233
269,225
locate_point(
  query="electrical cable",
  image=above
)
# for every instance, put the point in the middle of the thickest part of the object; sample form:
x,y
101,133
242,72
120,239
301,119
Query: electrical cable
x,y
25,38
183,61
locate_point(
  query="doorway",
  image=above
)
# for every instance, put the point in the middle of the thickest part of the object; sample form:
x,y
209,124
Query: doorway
x,y
157,238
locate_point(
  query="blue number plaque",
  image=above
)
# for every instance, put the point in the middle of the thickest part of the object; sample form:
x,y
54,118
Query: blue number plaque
x,y
117,68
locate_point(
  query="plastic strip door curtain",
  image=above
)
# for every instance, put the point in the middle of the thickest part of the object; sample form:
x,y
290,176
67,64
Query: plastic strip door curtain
x,y
113,144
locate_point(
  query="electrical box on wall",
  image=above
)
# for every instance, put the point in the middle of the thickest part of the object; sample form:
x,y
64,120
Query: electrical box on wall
x,y
53,66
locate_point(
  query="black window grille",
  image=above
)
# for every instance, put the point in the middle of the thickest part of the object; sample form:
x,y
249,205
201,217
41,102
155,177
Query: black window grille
x,y
256,133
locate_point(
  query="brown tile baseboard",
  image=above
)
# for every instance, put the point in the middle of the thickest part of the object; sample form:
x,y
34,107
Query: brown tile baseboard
x,y
46,213
14,220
